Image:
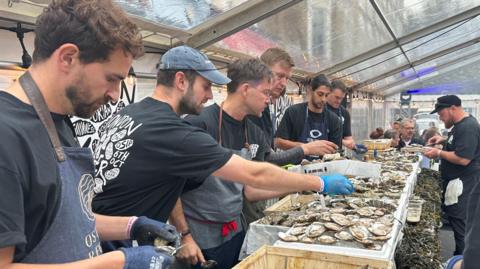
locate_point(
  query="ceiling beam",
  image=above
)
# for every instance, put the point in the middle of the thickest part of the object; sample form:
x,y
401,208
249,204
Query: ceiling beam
x,y
423,60
468,14
235,20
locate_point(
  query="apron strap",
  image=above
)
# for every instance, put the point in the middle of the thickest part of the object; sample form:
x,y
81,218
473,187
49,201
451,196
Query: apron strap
x,y
38,103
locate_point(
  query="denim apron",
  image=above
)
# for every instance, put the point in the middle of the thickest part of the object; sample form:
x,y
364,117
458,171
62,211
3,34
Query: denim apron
x,y
72,235
314,130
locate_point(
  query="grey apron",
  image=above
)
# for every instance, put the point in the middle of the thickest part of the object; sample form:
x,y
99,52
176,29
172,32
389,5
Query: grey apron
x,y
72,235
216,217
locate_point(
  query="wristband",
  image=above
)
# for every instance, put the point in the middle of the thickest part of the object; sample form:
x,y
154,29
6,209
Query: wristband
x,y
131,220
187,232
439,154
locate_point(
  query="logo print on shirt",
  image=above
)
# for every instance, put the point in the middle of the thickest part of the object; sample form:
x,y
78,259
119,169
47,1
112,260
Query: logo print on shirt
x,y
112,149
253,150
85,192
450,139
315,133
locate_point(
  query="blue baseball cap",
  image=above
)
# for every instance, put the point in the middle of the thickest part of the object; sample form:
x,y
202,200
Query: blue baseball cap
x,y
185,57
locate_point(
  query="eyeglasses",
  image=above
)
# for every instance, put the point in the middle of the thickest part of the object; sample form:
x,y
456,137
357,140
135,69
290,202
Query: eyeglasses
x,y
281,76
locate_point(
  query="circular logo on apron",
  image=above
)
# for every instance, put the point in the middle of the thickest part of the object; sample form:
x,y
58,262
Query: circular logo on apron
x,y
85,192
315,133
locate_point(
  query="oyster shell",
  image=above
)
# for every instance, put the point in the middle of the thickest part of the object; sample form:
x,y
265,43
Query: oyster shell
x,y
326,239
360,233
344,235
287,237
332,226
337,210
299,230
305,239
379,229
340,219
315,229
365,211
308,217
325,216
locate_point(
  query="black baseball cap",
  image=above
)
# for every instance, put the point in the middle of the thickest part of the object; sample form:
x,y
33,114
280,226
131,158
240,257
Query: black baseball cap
x,y
446,101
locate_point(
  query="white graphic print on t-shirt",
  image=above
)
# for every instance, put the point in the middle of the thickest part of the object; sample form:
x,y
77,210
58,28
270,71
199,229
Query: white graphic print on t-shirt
x,y
112,150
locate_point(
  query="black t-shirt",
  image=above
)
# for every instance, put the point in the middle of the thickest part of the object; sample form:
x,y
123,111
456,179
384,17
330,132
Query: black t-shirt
x,y
145,155
464,140
265,124
29,179
344,116
233,131
293,121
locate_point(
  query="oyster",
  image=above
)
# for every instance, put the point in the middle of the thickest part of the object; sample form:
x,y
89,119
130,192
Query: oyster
x,y
326,239
365,222
337,210
299,230
379,229
308,217
325,216
379,212
315,229
287,237
360,233
387,220
365,211
332,226
381,238
305,239
344,235
340,219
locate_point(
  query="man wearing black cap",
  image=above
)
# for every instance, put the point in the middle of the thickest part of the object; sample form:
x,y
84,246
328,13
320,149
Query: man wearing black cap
x,y
460,170
147,152
310,121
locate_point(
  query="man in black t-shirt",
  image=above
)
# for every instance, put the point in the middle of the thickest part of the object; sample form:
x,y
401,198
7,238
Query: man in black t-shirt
x,y
334,104
83,49
460,171
310,121
159,151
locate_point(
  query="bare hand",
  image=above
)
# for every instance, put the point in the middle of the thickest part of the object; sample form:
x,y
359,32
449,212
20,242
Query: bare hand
x,y
435,140
431,153
191,252
319,147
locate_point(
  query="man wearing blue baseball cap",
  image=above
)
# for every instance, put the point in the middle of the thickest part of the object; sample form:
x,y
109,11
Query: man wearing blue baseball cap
x,y
460,171
147,152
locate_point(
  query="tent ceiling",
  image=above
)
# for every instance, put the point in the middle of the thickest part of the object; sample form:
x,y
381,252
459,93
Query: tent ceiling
x,y
342,38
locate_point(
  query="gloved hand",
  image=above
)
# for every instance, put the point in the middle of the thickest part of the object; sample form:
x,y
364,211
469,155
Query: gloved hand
x,y
337,184
146,230
145,257
360,149
452,261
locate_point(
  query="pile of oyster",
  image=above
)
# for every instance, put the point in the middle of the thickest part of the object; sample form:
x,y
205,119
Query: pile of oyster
x,y
350,221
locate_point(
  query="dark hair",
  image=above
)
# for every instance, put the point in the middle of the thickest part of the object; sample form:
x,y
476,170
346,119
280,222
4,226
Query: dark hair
x,y
319,80
429,133
166,77
247,70
95,27
378,133
391,133
337,84
276,55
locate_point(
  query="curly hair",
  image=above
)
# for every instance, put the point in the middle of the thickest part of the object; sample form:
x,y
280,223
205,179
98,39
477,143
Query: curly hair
x,y
96,27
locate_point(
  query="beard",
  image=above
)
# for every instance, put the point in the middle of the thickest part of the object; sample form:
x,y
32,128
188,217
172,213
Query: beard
x,y
188,104
79,99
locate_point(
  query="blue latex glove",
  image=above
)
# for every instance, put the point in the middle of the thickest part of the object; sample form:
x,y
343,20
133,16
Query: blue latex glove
x,y
360,149
146,257
453,260
146,230
337,184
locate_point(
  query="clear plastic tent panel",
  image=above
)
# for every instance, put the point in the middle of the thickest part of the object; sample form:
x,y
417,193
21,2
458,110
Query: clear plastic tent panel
x,y
458,68
317,33
183,14
407,16
373,67
449,37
